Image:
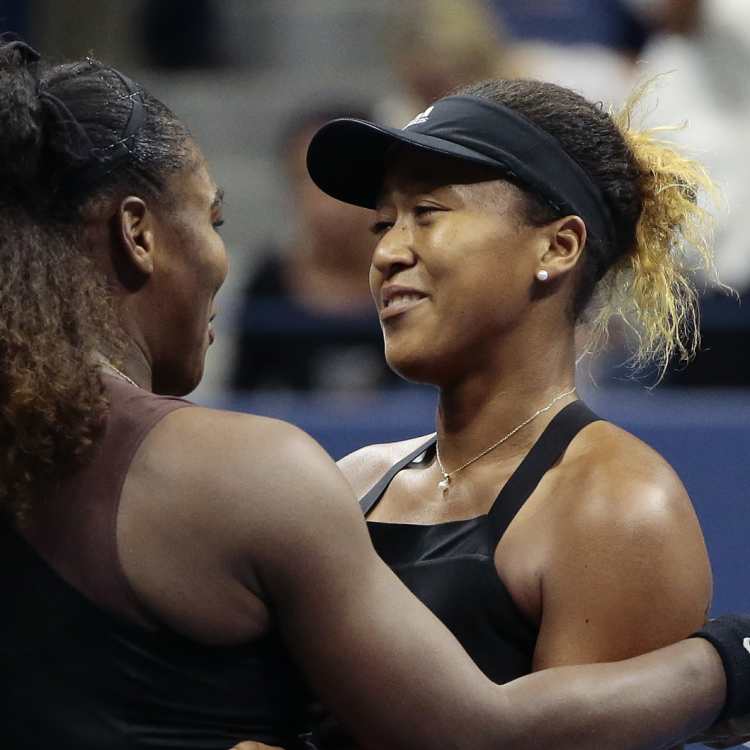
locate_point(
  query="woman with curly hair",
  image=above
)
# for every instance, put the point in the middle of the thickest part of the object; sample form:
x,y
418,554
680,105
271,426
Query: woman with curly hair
x,y
507,214
165,569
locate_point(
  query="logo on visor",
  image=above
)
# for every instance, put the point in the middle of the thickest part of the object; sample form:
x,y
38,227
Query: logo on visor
x,y
420,118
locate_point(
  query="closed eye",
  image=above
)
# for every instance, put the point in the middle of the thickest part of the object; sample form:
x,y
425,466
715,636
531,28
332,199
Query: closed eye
x,y
380,227
423,210
217,224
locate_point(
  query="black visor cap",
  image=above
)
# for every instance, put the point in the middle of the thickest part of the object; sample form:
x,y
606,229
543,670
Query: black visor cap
x,y
347,157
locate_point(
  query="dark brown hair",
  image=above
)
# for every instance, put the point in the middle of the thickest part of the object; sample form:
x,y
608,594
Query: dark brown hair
x,y
55,308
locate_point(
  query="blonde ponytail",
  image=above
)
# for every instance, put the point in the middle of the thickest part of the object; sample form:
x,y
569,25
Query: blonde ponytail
x,y
652,287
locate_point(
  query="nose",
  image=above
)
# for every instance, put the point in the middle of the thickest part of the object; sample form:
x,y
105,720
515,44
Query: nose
x,y
394,251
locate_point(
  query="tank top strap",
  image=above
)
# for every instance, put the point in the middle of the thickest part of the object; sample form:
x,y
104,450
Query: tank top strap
x,y
371,499
77,534
558,434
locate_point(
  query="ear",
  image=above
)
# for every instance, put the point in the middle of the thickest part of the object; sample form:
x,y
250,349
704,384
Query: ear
x,y
566,240
134,231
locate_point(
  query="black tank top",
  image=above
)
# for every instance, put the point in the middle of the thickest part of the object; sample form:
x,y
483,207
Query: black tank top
x,y
77,670
451,568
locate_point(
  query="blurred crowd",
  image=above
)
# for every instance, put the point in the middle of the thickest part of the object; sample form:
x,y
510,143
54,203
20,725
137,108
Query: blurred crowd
x,y
302,318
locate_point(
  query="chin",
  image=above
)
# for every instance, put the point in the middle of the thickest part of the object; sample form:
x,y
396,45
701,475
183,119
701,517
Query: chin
x,y
412,369
433,363
177,381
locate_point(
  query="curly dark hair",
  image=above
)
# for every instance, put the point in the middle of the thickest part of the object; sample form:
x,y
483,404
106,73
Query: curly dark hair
x,y
56,312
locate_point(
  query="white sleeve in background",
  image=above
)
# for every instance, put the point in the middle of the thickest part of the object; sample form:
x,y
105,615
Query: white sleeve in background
x,y
707,88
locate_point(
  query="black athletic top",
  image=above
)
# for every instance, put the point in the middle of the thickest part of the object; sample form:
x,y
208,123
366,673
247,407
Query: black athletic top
x,y
451,568
79,671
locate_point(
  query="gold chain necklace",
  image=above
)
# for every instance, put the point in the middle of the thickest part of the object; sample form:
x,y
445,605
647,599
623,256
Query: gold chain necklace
x,y
445,483
127,379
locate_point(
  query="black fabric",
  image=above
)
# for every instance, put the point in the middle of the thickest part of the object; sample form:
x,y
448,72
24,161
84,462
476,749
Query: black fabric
x,y
347,157
542,456
451,568
74,676
371,499
730,636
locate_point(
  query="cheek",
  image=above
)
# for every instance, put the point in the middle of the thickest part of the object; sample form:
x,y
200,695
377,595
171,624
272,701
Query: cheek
x,y
376,279
214,263
483,287
222,263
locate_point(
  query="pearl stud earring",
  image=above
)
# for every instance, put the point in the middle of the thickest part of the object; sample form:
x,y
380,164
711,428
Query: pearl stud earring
x,y
542,275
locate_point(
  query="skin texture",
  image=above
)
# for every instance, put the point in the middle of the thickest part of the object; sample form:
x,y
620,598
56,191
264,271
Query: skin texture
x,y
606,557
458,241
264,532
167,264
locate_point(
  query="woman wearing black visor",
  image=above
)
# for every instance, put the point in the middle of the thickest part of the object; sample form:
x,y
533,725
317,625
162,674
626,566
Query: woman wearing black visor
x,y
169,573
505,215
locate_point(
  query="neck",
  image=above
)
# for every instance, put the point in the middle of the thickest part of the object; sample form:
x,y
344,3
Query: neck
x,y
134,365
489,403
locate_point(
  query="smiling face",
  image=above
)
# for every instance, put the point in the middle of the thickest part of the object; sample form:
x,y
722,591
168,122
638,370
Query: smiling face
x,y
190,268
453,270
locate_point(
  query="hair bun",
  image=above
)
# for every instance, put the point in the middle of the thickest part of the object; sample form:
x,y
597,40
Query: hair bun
x,y
20,117
28,54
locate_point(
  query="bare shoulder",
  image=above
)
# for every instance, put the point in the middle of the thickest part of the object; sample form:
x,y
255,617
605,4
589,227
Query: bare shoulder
x,y
239,479
365,466
623,545
249,443
219,499
609,474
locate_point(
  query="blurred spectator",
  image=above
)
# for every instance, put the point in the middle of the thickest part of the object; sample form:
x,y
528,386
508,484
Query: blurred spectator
x,y
181,33
602,48
435,46
706,54
588,45
63,30
307,321
608,23
705,46
14,17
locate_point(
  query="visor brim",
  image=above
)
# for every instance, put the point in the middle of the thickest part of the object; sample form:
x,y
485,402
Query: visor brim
x,y
347,157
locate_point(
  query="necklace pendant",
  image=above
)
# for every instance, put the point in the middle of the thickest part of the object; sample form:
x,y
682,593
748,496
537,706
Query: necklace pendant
x,y
444,484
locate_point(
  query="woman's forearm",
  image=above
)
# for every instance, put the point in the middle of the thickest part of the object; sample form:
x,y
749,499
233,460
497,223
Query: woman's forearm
x,y
651,701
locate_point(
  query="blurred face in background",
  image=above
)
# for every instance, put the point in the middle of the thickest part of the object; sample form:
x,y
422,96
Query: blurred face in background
x,y
333,231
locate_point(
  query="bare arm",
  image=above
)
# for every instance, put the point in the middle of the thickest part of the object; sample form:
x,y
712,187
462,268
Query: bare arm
x,y
262,506
398,678
628,570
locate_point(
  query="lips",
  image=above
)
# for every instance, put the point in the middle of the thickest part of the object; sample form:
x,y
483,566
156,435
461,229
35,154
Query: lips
x,y
396,300
211,331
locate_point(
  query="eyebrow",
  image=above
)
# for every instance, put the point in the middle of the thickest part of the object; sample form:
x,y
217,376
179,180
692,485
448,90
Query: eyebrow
x,y
218,198
422,186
